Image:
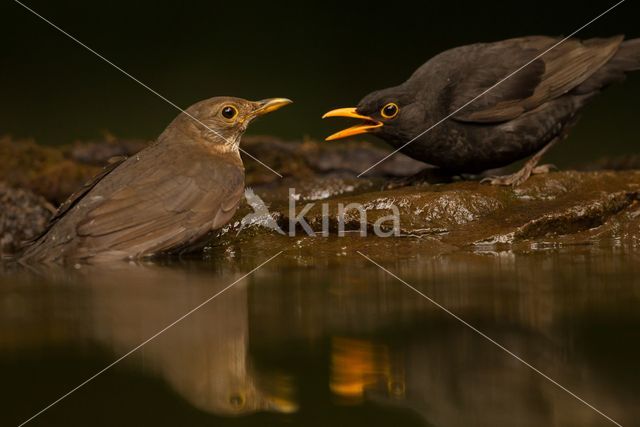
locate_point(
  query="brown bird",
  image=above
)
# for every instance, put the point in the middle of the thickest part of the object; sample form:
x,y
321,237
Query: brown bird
x,y
163,199
524,115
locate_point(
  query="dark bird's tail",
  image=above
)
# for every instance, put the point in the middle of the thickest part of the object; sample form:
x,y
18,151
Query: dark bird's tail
x,y
626,59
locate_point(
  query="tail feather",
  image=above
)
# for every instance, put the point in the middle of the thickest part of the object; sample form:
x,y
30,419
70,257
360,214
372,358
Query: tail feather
x,y
628,55
626,59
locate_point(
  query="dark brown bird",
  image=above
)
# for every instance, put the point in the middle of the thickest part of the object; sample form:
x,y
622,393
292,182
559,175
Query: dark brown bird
x,y
165,198
524,115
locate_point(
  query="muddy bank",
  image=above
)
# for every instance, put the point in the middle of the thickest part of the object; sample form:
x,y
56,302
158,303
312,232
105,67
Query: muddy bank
x,y
560,208
563,208
23,215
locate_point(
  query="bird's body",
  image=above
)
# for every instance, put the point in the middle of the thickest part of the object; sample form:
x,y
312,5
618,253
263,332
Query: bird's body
x,y
163,199
506,100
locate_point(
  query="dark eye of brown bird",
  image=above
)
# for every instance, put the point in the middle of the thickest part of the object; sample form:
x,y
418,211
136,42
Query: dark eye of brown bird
x,y
389,111
236,400
229,112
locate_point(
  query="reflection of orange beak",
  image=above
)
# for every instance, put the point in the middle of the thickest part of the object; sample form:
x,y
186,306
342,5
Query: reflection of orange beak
x,y
366,127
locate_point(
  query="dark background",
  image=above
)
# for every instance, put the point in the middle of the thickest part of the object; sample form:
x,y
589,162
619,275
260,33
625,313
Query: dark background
x,y
320,54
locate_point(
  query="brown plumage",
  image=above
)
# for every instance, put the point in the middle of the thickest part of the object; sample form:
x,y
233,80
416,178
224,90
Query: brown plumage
x,y
523,116
165,198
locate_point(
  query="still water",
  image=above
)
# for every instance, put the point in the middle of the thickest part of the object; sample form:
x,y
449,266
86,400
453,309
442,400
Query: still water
x,y
327,340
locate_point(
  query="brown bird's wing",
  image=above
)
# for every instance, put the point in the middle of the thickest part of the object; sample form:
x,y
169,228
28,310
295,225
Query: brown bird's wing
x,y
557,72
78,195
148,210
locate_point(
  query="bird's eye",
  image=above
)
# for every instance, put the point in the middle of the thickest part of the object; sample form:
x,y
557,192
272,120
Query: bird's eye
x,y
389,111
236,400
229,112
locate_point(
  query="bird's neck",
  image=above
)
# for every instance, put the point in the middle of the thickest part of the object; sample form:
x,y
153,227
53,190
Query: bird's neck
x,y
224,151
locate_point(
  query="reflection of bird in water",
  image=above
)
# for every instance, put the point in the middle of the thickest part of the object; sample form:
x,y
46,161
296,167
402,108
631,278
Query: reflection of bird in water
x,y
205,357
450,380
166,198
260,216
358,366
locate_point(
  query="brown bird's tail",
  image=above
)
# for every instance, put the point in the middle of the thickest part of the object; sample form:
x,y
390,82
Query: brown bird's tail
x,y
628,55
626,59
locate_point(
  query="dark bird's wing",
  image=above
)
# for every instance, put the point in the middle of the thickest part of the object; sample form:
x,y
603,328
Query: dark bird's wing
x,y
557,72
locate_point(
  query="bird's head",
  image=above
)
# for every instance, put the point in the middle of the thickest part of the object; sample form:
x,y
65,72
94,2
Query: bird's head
x,y
386,113
223,120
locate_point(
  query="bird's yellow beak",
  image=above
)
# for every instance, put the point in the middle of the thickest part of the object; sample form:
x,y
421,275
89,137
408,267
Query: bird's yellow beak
x,y
366,127
267,106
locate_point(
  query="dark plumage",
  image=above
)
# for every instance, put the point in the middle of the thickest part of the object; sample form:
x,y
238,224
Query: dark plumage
x,y
522,116
165,198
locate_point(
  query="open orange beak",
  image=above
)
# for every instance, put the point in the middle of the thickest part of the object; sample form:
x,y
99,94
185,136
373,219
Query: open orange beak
x,y
366,127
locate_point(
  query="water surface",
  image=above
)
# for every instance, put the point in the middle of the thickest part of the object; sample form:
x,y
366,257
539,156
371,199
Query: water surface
x,y
327,340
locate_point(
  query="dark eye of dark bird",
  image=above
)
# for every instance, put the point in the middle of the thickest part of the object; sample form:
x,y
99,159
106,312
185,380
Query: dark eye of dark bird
x,y
229,112
389,111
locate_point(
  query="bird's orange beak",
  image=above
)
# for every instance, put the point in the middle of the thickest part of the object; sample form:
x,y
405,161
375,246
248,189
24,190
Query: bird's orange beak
x,y
266,106
368,125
